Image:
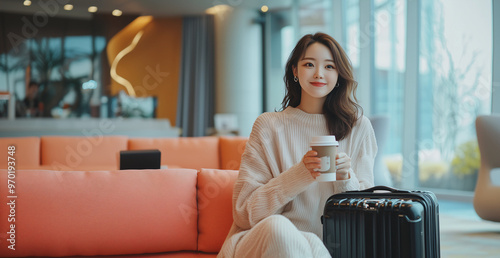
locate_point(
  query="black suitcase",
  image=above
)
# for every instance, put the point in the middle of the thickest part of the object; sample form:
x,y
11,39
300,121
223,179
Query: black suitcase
x,y
382,222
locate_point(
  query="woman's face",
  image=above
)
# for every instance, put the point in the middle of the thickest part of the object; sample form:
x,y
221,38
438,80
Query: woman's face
x,y
317,72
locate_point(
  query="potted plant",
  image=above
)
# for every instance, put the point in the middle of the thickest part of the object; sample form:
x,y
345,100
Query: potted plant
x,y
465,164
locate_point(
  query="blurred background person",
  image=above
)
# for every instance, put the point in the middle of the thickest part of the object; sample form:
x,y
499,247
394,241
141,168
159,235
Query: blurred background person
x,y
33,107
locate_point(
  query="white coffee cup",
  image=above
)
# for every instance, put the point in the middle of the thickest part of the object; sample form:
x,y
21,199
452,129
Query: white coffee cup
x,y
326,147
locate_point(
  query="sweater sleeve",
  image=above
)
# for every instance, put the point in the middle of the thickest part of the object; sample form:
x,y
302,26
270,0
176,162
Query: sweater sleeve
x,y
362,160
257,193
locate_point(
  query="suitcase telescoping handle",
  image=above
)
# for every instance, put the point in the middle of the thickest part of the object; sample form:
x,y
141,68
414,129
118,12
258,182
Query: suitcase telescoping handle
x,y
383,188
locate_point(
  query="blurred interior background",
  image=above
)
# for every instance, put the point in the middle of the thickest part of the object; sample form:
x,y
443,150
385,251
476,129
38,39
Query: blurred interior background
x,y
428,66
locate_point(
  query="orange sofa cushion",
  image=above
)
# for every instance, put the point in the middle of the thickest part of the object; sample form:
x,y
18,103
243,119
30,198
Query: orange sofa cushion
x,y
215,215
184,254
70,213
185,152
74,153
27,151
231,150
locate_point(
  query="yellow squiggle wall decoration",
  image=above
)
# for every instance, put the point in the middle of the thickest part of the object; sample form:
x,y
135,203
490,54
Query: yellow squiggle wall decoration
x,y
119,56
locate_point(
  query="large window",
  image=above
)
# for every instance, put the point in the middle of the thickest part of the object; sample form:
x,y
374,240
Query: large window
x,y
314,16
453,71
351,33
65,56
454,87
389,67
388,78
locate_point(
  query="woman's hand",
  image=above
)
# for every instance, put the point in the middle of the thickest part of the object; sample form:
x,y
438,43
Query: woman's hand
x,y
343,163
312,163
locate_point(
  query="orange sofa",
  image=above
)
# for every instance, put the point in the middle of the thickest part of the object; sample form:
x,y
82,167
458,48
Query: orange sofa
x,y
72,202
67,153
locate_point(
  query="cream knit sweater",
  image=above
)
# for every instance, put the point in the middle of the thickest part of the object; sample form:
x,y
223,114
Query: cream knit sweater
x,y
273,179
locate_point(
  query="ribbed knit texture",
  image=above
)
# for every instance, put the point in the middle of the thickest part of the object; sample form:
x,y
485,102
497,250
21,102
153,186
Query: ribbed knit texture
x,y
273,179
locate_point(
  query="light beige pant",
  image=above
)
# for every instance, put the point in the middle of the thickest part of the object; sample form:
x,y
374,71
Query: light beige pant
x,y
275,237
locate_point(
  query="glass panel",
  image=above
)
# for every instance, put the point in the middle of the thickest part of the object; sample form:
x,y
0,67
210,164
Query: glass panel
x,y
78,50
4,103
351,21
63,58
97,104
388,78
46,59
314,16
78,53
454,87
47,64
16,62
3,73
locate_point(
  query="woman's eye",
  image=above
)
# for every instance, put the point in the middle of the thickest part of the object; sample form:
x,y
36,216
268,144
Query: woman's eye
x,y
308,65
330,67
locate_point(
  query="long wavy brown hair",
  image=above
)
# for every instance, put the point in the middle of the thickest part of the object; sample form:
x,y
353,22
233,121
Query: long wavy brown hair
x,y
340,109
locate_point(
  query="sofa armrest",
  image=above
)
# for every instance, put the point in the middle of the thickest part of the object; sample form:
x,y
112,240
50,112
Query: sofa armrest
x,y
215,214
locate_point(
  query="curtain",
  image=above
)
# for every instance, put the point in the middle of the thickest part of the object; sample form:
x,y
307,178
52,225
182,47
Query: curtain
x,y
195,108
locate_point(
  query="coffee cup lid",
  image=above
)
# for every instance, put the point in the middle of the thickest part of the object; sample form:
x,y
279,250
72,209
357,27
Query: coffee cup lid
x,y
325,140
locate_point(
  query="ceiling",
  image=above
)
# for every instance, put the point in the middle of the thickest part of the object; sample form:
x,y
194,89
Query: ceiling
x,y
158,8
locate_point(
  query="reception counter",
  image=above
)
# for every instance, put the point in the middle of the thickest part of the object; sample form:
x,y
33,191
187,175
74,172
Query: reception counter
x,y
131,127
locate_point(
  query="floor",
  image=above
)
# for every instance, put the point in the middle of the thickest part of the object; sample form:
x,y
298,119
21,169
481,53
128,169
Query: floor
x,y
464,234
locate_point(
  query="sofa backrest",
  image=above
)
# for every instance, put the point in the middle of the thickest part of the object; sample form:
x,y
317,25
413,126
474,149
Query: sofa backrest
x,y
102,152
184,152
74,153
71,213
231,150
26,151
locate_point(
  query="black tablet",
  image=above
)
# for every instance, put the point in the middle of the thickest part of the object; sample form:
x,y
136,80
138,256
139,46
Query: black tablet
x,y
140,159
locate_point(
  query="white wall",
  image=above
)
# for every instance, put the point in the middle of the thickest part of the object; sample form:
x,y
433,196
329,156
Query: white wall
x,y
238,66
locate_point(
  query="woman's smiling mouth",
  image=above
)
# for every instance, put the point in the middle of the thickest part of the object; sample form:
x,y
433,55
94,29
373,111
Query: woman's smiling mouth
x,y
318,84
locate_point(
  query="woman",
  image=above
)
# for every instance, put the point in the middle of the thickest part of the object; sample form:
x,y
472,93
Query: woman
x,y
277,203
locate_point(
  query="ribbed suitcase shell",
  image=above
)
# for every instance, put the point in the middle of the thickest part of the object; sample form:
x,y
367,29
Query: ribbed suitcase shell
x,y
392,223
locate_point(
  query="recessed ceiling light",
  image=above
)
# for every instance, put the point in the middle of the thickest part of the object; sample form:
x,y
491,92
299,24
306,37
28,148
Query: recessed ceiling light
x,y
92,9
218,9
264,8
68,7
27,3
117,12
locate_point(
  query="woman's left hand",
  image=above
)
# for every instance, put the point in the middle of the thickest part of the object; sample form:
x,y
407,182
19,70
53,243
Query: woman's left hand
x,y
343,163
